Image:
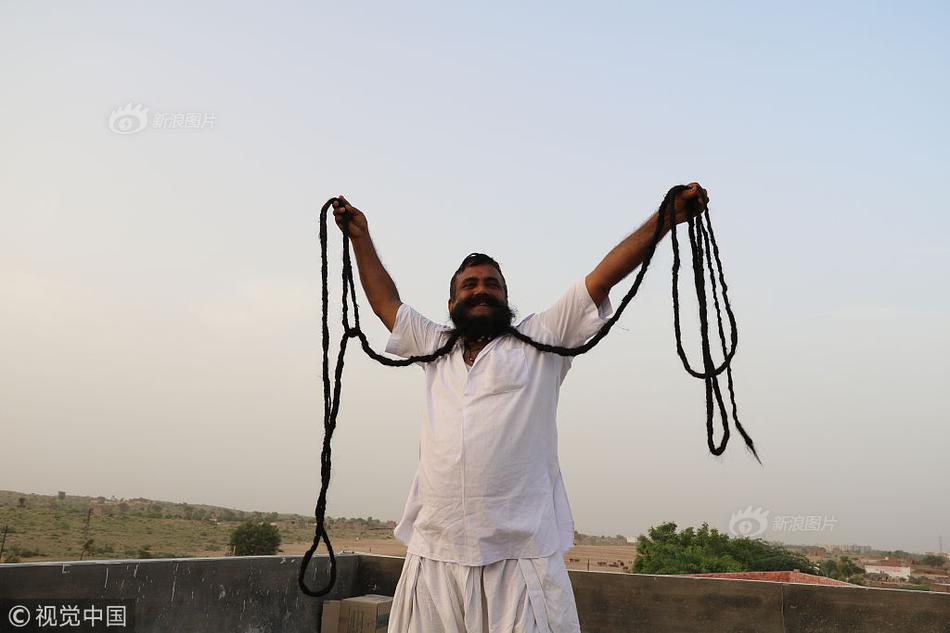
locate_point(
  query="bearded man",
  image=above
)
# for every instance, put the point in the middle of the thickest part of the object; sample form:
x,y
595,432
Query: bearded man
x,y
487,521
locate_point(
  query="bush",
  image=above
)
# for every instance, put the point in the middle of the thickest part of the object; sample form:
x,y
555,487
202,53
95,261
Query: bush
x,y
934,560
24,552
842,569
98,549
255,539
707,550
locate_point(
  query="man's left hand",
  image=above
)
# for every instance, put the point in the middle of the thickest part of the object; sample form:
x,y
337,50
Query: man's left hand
x,y
690,202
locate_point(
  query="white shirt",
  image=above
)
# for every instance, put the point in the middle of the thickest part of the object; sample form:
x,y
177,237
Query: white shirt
x,y
488,486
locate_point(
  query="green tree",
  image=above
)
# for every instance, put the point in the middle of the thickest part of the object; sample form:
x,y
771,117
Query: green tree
x,y
842,569
707,550
933,560
255,539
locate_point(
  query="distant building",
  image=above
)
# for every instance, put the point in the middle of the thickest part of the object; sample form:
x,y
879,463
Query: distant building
x,y
891,570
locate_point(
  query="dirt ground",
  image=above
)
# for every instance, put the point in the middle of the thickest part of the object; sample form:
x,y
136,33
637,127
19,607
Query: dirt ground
x,y
609,558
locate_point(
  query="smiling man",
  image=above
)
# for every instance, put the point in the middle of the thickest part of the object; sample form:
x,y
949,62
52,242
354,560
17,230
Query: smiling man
x,y
487,521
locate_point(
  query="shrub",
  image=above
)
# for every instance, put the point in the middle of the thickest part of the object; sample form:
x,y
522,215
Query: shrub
x,y
255,539
706,550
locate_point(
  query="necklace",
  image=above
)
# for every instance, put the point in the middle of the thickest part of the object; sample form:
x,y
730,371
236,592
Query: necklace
x,y
476,347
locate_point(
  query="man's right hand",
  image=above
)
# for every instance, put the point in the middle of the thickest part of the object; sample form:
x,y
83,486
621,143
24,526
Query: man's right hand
x,y
357,225
377,284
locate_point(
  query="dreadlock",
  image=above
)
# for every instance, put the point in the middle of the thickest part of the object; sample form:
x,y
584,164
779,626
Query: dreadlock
x,y
703,245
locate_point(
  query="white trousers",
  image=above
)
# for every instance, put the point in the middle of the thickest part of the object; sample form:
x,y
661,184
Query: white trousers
x,y
525,595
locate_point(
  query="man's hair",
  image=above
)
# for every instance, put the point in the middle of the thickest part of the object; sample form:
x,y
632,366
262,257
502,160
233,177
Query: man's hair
x,y
476,259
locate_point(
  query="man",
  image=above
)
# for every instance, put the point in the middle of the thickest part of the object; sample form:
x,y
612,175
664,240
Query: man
x,y
487,521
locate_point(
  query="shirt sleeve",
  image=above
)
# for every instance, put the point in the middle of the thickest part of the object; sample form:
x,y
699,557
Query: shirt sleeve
x,y
574,317
415,335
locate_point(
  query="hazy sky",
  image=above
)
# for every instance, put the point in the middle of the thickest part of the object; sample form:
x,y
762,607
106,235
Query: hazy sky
x,y
159,290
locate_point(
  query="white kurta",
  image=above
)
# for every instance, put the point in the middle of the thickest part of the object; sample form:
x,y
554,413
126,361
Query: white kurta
x,y
488,486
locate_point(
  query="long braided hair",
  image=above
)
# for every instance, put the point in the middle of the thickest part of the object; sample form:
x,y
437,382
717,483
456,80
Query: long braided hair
x,y
704,249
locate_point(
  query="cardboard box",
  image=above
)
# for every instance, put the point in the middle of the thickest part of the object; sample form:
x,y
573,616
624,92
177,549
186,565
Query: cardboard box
x,y
330,620
363,614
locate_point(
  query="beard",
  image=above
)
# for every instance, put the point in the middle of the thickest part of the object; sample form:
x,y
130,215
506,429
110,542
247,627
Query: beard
x,y
473,328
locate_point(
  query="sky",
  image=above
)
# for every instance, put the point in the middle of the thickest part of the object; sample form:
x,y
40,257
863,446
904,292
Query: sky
x,y
159,287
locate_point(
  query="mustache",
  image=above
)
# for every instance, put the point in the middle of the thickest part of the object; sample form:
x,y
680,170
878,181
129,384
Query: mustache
x,y
475,327
474,300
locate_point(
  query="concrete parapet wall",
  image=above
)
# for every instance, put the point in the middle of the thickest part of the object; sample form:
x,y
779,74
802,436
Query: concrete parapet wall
x,y
260,594
252,594
617,603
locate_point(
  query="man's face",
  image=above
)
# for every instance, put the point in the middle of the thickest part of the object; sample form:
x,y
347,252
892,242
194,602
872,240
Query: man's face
x,y
480,306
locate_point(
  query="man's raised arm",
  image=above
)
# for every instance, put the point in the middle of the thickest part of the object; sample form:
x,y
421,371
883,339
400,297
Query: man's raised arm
x,y
630,253
377,284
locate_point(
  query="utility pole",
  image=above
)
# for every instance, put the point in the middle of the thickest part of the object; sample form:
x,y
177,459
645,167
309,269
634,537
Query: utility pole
x,y
3,540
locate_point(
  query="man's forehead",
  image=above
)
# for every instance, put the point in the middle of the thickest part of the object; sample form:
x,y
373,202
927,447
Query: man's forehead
x,y
481,271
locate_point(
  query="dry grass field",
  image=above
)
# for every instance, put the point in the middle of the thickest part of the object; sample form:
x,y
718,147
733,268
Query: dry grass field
x,y
54,528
